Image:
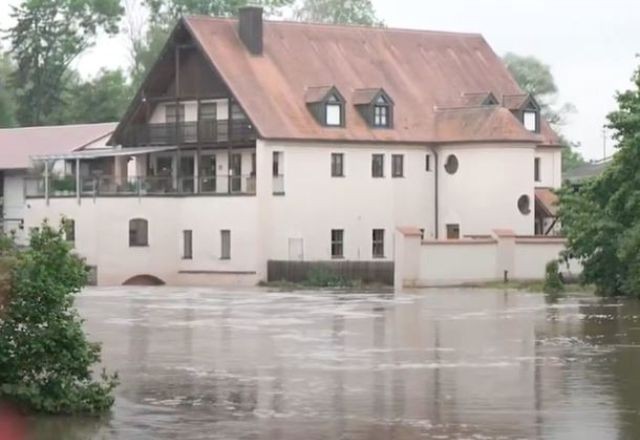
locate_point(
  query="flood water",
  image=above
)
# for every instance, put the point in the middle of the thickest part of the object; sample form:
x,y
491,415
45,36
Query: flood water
x,y
433,364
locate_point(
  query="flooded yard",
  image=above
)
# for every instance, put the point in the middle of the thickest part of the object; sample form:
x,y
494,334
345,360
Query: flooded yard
x,y
435,364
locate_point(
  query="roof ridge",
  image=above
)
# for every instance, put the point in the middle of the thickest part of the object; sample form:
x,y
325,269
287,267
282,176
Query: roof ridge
x,y
343,26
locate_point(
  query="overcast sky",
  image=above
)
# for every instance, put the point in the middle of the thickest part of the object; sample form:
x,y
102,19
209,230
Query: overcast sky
x,y
591,46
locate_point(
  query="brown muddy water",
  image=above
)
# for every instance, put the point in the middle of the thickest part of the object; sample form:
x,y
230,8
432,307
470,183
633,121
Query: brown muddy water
x,y
434,364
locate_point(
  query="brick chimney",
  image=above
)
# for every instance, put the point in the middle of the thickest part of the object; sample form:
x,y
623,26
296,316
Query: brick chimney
x,y
250,28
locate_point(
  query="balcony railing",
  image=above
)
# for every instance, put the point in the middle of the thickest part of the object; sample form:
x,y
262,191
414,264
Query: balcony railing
x,y
203,132
145,186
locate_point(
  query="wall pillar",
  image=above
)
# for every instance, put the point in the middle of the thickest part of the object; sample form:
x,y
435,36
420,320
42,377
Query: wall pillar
x,y
505,253
407,257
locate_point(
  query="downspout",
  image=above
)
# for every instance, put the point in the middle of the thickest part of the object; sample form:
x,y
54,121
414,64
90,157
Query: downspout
x,y
435,198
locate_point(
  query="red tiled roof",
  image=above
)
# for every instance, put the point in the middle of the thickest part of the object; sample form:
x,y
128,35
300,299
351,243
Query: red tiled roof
x,y
17,145
417,69
547,200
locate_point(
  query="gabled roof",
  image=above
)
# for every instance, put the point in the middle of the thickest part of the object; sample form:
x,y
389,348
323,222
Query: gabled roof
x,y
318,94
367,96
419,69
17,145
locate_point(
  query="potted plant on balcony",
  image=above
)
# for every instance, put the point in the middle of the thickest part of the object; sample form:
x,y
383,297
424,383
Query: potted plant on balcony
x,y
64,185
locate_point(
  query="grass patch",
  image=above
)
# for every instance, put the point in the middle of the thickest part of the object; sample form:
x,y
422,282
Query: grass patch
x,y
536,286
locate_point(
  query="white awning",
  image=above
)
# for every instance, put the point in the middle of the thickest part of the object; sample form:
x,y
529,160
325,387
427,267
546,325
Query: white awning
x,y
99,153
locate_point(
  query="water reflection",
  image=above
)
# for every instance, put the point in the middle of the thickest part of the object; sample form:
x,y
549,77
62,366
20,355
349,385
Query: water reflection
x,y
206,363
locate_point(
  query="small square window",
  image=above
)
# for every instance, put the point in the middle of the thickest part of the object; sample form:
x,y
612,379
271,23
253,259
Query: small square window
x,y
378,243
337,243
397,162
337,165
453,232
377,165
138,232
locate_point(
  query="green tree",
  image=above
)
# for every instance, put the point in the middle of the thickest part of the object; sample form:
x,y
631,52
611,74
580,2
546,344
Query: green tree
x,y
45,358
7,101
601,218
535,77
46,37
101,99
164,14
338,12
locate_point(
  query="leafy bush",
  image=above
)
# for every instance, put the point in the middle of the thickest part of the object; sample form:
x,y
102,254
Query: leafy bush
x,y
321,277
552,280
45,358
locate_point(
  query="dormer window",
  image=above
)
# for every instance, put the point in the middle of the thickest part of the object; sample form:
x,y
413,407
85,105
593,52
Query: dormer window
x,y
327,105
375,106
381,112
530,120
333,112
526,109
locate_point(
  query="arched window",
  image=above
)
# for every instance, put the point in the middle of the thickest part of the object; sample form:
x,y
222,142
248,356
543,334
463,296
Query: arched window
x,y
138,232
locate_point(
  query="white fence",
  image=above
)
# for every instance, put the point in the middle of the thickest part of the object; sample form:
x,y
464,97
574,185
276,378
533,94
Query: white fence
x,y
474,260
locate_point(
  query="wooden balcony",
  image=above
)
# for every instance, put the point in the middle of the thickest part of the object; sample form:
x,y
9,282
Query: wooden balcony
x,y
190,132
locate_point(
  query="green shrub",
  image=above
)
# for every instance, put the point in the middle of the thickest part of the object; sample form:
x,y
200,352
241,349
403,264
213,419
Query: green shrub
x,y
321,277
552,281
45,358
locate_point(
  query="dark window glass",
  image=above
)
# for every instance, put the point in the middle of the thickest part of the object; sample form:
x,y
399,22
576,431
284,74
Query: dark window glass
x,y
524,204
187,244
276,163
377,165
225,244
209,111
451,166
337,165
138,232
397,163
536,169
378,243
427,162
453,232
337,243
174,113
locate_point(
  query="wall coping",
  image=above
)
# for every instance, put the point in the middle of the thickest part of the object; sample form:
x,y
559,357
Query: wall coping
x,y
532,239
461,241
410,231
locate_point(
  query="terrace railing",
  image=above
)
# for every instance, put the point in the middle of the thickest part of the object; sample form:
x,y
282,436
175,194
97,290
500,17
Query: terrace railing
x,y
202,132
108,186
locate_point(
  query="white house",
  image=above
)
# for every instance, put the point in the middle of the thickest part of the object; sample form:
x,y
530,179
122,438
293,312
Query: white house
x,y
18,145
255,143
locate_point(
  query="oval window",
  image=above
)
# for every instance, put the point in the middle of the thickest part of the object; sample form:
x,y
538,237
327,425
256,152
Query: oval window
x,y
524,204
452,164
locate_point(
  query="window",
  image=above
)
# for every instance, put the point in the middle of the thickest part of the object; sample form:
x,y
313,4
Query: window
x,y
337,243
187,245
377,165
138,232
524,204
397,165
427,162
253,164
69,228
174,113
378,243
421,233
208,111
381,113
277,159
530,120
451,166
453,232
225,244
333,112
536,169
337,165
